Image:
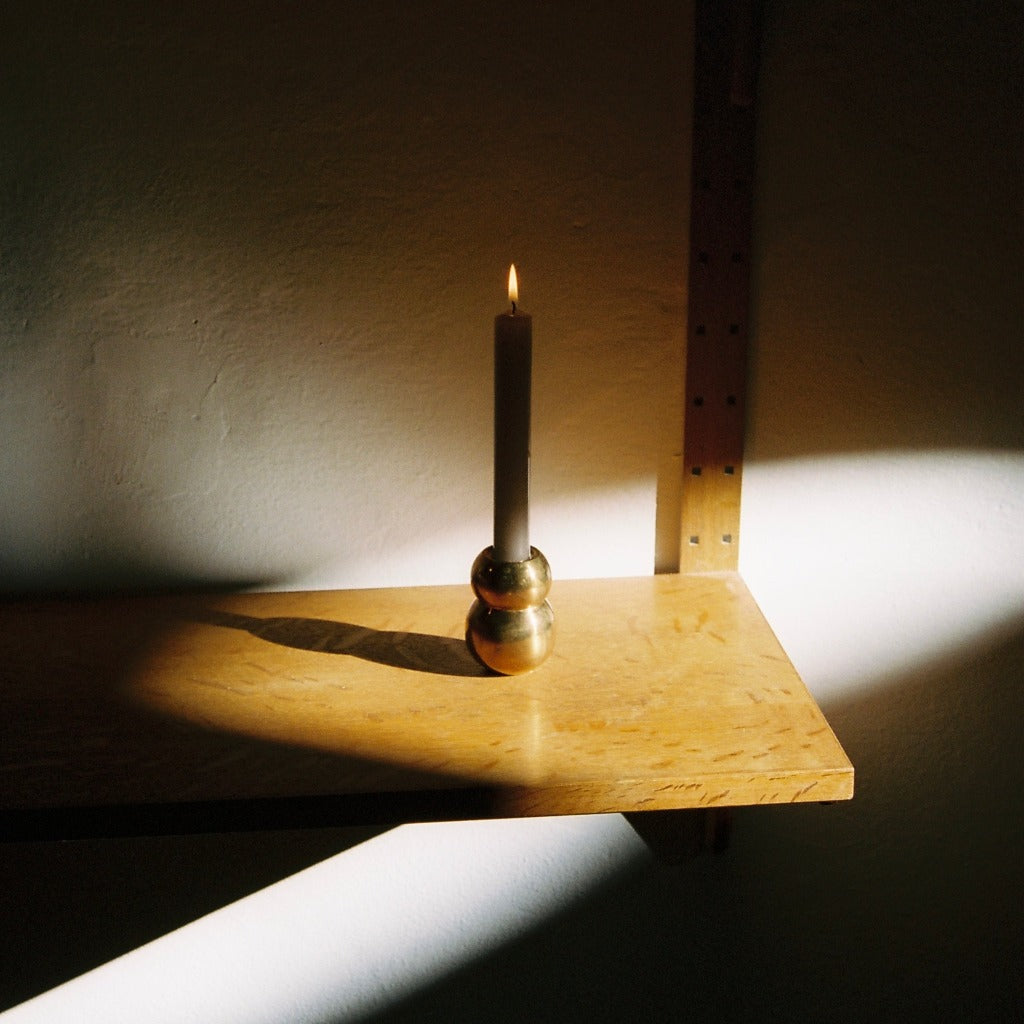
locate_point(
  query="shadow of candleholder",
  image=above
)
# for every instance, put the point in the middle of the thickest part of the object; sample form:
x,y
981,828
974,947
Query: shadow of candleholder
x,y
417,652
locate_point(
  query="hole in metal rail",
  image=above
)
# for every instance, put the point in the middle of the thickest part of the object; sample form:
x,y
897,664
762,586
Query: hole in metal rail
x,y
726,538
729,470
698,400
695,470
694,540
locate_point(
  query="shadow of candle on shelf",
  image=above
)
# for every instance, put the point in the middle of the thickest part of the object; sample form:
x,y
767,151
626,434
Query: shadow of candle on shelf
x,y
418,652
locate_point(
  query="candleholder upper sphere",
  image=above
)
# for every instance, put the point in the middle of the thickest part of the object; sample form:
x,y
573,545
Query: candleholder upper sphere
x,y
510,627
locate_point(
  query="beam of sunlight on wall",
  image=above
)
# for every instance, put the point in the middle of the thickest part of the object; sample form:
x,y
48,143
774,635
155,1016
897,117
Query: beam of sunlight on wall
x,y
600,534
592,533
870,564
355,933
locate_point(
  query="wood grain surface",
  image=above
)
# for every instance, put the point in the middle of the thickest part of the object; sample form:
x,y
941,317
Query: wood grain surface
x,y
126,714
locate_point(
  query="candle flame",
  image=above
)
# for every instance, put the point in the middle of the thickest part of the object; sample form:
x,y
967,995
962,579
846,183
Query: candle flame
x,y
513,285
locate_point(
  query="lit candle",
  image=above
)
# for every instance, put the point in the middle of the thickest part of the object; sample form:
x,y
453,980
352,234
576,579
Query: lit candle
x,y
513,352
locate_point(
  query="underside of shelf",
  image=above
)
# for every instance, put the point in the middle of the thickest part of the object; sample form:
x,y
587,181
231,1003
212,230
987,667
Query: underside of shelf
x,y
182,713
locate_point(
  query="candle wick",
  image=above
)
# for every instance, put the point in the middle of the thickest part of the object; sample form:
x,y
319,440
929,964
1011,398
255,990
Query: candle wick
x,y
513,307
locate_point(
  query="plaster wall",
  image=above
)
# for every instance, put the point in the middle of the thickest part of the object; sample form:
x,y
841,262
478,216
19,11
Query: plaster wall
x,y
883,503
252,258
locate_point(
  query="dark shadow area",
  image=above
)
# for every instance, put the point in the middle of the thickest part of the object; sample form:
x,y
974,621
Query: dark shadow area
x,y
418,652
887,306
109,573
68,907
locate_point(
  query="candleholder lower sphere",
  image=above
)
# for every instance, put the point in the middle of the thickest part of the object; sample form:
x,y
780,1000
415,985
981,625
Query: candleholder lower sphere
x,y
510,627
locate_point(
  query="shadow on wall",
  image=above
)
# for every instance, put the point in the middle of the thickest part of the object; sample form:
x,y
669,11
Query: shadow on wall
x,y
77,905
899,906
252,259
891,236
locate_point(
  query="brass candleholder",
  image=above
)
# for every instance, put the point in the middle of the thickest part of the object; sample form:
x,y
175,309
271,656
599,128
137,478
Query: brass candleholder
x,y
510,627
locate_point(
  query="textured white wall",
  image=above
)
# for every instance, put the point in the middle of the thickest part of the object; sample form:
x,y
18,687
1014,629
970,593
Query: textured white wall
x,y
882,532
252,263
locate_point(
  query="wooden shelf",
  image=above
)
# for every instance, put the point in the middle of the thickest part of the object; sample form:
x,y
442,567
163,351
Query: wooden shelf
x,y
126,715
